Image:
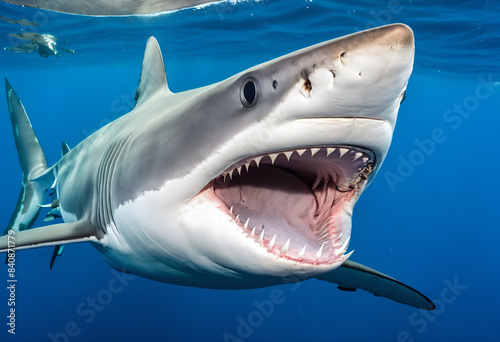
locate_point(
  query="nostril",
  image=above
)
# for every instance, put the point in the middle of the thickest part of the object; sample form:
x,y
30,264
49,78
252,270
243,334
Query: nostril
x,y
333,73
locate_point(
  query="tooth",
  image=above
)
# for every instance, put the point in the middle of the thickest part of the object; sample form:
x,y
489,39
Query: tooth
x,y
301,151
342,151
230,175
238,217
231,210
302,251
365,159
257,160
314,151
246,223
261,237
357,156
273,157
284,249
316,182
247,166
320,250
329,151
288,154
271,243
252,234
342,249
345,257
239,170
225,175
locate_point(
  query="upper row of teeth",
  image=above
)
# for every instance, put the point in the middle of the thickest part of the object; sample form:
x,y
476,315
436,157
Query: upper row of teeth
x,y
288,154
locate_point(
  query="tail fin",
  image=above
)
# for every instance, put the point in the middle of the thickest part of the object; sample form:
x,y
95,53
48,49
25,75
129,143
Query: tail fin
x,y
33,165
37,179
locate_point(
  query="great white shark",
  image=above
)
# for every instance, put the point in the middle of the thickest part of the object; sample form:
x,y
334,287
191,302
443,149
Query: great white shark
x,y
246,183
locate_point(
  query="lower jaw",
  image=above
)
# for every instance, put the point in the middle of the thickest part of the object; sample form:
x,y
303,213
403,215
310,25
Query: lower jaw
x,y
328,249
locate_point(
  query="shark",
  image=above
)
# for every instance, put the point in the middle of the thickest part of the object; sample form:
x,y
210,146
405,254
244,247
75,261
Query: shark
x,y
246,183
111,8
44,44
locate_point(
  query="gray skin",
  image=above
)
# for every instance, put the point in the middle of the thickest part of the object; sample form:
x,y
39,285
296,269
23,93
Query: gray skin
x,y
106,185
109,8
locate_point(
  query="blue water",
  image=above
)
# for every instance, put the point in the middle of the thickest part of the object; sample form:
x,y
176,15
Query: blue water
x,y
429,219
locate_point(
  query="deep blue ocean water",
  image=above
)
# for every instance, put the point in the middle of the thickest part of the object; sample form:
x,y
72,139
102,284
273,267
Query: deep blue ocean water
x,y
436,225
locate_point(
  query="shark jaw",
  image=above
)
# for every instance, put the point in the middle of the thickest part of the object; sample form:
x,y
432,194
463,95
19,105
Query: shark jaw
x,y
292,203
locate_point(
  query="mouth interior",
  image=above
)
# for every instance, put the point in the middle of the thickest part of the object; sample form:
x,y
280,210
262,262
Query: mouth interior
x,y
290,202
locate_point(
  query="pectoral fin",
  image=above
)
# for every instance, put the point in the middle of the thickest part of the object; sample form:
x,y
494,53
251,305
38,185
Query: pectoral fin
x,y
57,234
351,276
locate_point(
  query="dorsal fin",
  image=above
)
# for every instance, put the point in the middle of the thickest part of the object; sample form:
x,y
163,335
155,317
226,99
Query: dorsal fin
x,y
153,77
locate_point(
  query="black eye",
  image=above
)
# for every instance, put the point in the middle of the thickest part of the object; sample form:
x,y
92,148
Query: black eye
x,y
249,93
275,84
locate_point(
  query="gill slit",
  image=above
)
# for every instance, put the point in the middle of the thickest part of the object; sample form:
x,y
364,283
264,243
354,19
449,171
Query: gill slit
x,y
105,173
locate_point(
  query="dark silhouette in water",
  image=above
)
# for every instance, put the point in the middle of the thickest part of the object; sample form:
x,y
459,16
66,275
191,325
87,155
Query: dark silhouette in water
x,y
44,44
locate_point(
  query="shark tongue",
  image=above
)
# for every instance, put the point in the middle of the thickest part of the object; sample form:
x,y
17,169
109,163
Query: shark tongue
x,y
274,199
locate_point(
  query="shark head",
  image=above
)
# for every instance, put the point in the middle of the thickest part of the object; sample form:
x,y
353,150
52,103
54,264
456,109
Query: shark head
x,y
267,165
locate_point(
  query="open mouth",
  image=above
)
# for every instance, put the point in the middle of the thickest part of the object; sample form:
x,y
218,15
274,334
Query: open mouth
x,y
291,202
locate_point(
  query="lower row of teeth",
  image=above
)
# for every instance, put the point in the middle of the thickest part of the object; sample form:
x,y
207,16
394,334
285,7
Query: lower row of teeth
x,y
339,248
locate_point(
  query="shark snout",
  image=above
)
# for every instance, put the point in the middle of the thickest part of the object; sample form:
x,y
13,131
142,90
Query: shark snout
x,y
361,75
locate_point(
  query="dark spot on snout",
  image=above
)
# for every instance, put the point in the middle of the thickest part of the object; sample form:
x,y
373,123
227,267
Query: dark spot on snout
x,y
333,73
307,86
342,55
